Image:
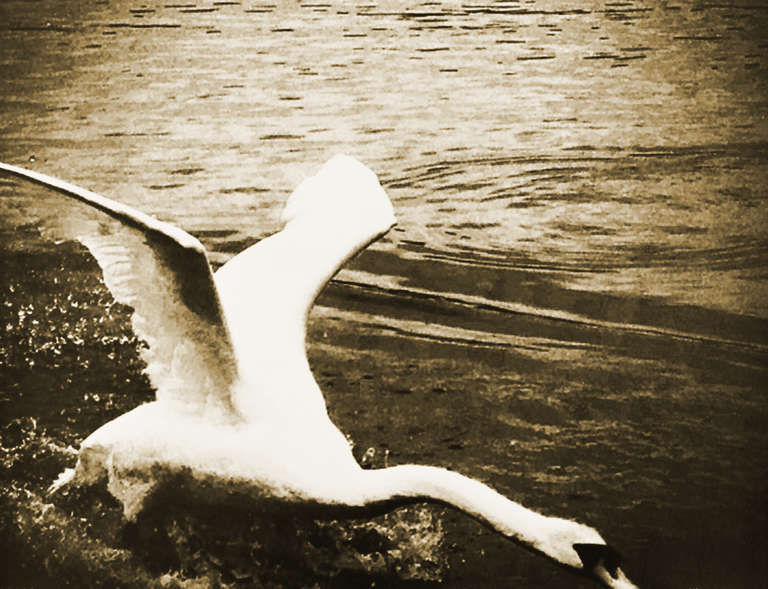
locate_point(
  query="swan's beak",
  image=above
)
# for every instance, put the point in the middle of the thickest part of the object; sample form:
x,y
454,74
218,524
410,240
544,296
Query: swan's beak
x,y
617,580
603,562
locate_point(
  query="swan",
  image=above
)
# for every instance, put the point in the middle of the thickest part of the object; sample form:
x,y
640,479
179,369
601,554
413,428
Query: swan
x,y
237,410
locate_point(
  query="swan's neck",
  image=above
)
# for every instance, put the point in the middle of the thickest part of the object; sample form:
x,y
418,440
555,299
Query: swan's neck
x,y
408,483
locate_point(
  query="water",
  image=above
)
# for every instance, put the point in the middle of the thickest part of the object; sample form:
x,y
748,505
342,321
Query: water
x,y
581,243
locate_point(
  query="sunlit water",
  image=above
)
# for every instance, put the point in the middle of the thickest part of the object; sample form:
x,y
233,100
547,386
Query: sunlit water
x,y
580,189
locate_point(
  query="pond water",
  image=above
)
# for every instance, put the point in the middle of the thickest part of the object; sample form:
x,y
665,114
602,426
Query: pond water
x,y
580,188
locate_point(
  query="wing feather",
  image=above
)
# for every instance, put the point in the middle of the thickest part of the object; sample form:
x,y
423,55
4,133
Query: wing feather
x,y
159,270
267,290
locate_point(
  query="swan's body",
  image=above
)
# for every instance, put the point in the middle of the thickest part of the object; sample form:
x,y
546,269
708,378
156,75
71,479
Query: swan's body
x,y
238,410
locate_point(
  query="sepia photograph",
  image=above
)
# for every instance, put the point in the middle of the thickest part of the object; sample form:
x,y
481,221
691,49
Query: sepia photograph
x,y
383,294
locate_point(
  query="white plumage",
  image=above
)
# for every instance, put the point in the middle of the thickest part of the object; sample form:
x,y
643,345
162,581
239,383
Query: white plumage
x,y
237,408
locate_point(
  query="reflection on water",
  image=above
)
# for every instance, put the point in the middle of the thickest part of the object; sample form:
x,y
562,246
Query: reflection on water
x,y
620,146
579,187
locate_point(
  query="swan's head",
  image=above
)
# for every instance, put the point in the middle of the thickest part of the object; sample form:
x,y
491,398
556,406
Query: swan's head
x,y
581,548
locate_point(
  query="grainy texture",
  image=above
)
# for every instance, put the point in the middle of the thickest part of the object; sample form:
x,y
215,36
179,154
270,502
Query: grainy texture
x,y
572,308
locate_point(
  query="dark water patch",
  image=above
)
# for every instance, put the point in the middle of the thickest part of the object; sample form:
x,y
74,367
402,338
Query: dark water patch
x,y
244,190
217,233
198,10
752,254
623,9
496,258
698,38
552,171
743,149
437,338
427,16
682,229
412,243
601,56
164,186
542,291
473,225
629,57
747,195
520,165
577,197
585,228
235,246
465,186
716,358
187,171
516,204
143,25
376,131
524,11
279,136
431,27
136,134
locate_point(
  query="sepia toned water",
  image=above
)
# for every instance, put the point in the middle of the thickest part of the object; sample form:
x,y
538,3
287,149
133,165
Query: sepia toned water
x,y
581,245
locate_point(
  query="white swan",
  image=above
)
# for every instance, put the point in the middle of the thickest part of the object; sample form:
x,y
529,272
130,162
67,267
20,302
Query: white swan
x,y
238,410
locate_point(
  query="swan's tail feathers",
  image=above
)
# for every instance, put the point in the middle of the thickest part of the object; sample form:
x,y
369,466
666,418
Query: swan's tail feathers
x,y
268,290
157,269
62,480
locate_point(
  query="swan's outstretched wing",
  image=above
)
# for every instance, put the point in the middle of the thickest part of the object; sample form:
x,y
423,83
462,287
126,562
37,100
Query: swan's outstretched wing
x,y
268,290
159,270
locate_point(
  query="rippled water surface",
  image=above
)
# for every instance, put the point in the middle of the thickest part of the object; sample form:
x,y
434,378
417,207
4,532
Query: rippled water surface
x,y
580,188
